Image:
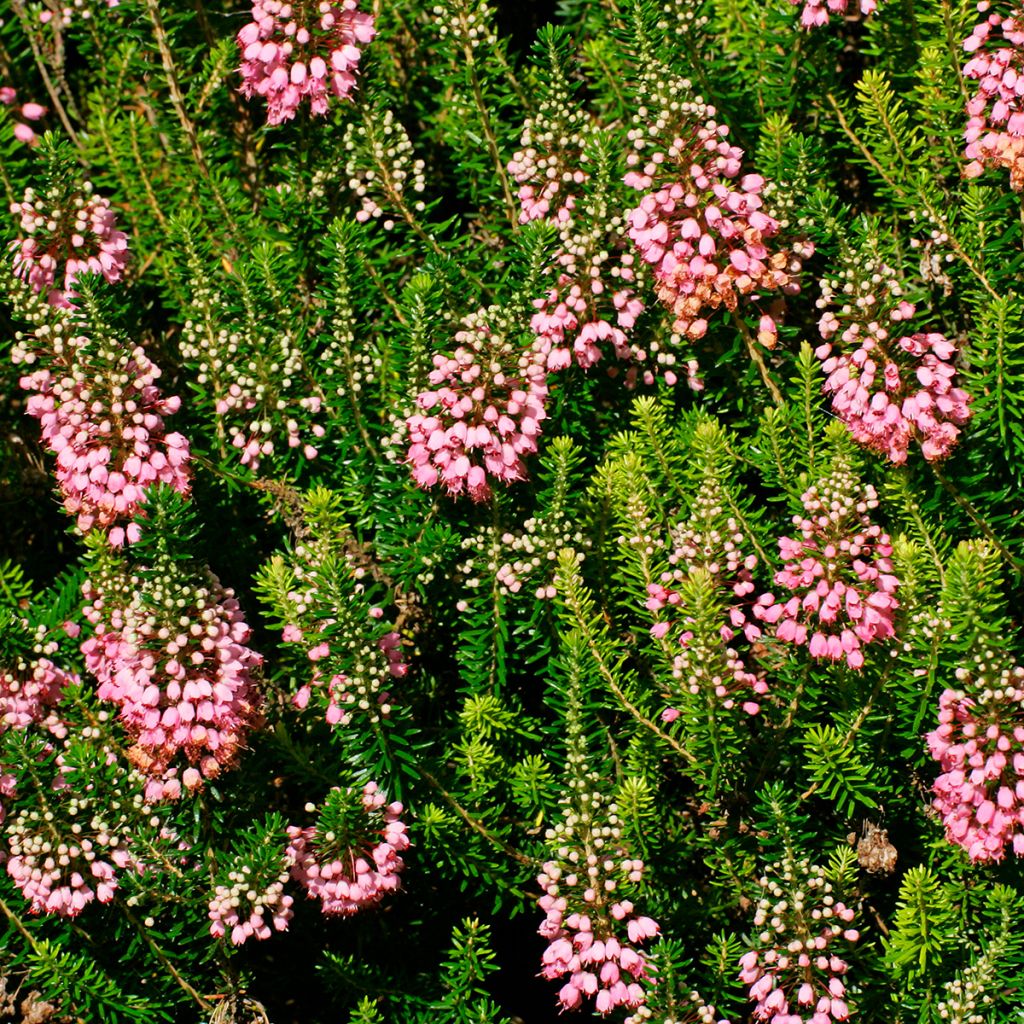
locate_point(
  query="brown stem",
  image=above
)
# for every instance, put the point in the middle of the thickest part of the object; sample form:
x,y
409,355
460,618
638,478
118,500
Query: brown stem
x,y
33,41
755,355
472,822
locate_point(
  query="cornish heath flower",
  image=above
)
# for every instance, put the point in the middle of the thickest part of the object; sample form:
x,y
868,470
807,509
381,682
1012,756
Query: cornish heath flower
x,y
482,415
181,679
102,415
890,391
701,225
818,12
302,51
839,574
66,236
979,742
591,304
794,973
591,923
350,859
995,125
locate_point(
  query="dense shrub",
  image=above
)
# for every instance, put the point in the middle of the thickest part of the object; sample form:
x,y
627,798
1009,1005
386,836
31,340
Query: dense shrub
x,y
511,510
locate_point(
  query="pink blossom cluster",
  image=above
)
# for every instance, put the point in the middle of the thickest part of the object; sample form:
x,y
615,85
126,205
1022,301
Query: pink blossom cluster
x,y
342,694
702,226
102,415
714,543
793,974
482,415
594,963
32,696
839,572
355,863
67,883
548,165
591,303
979,743
23,131
590,923
67,239
182,680
577,317
63,14
291,52
818,12
258,379
888,391
995,125
243,912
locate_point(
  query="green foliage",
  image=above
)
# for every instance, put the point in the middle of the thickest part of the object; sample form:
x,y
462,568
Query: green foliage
x,y
593,644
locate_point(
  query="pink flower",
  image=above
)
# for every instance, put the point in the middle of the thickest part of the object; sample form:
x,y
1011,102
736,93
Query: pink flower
x,y
888,393
185,690
350,859
995,125
839,572
102,415
244,907
700,226
66,236
818,12
979,742
798,918
703,664
32,696
589,920
289,56
484,415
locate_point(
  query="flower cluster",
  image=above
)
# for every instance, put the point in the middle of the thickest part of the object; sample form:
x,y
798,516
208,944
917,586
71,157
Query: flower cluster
x,y
63,877
291,52
700,225
362,688
979,742
67,836
590,920
259,382
801,919
350,859
250,901
995,125
887,392
102,415
592,300
31,696
62,15
379,164
23,131
170,653
547,166
839,572
818,12
483,414
66,236
714,542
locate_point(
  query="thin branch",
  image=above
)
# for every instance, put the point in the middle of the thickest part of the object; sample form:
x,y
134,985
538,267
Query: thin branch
x,y
472,822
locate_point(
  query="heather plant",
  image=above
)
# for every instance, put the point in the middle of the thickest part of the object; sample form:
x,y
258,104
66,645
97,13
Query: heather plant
x,y
511,512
